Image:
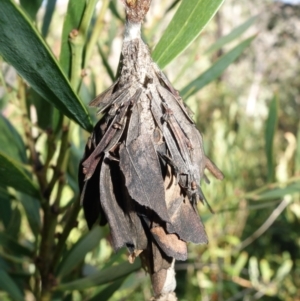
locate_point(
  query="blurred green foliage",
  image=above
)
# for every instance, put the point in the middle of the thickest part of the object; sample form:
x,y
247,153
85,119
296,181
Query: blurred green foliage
x,y
249,117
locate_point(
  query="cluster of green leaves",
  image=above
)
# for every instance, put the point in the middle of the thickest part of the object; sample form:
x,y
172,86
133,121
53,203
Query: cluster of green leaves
x,y
46,252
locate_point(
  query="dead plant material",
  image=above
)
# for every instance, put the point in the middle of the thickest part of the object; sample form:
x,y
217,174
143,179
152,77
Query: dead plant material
x,y
144,162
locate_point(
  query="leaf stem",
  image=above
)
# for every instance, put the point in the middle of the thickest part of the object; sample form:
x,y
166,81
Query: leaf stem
x,y
37,166
96,31
62,157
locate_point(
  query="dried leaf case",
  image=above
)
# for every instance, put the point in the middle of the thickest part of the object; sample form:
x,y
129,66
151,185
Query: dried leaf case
x,y
144,162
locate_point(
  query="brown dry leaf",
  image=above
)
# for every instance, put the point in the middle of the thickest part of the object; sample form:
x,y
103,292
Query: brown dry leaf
x,y
170,243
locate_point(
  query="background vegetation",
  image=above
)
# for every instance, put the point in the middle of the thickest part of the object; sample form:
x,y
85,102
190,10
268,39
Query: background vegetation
x,y
248,114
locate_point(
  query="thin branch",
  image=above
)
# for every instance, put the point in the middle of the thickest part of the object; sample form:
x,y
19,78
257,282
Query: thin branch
x,y
66,232
63,153
36,164
265,226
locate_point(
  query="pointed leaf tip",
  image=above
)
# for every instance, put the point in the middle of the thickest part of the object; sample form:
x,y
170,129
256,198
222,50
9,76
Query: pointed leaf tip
x,y
22,46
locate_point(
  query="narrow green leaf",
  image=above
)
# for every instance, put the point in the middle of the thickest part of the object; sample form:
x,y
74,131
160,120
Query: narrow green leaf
x,y
10,141
266,271
234,34
8,285
271,126
4,264
253,271
284,269
72,21
215,70
32,209
57,121
14,246
297,157
44,109
13,175
106,293
106,63
240,264
22,46
14,227
279,193
5,207
187,23
105,276
13,259
113,7
48,16
175,2
79,250
31,7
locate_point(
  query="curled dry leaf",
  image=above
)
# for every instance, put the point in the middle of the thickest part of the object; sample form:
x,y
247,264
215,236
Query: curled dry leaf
x,y
144,162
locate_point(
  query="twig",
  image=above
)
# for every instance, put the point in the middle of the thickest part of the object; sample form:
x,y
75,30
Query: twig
x,y
34,157
264,227
65,234
60,166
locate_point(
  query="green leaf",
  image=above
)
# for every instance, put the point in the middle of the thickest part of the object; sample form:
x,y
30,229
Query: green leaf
x,y
13,246
105,276
75,156
234,34
13,259
271,126
284,269
297,156
266,271
172,5
113,7
254,271
14,227
8,285
4,264
106,63
107,292
216,69
279,193
5,207
48,16
12,174
10,141
240,264
44,109
79,250
72,21
32,210
31,7
187,23
22,46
